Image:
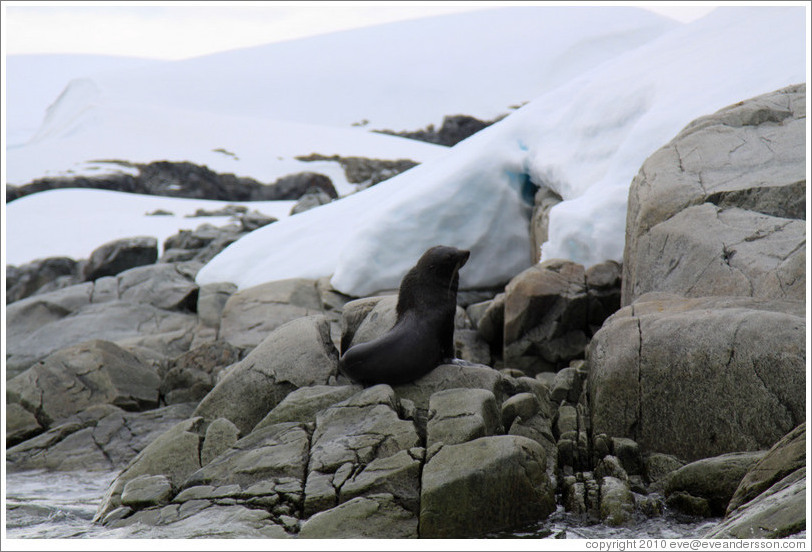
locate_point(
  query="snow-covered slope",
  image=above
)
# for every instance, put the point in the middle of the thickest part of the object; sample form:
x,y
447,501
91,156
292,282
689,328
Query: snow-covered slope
x,y
268,104
585,139
35,81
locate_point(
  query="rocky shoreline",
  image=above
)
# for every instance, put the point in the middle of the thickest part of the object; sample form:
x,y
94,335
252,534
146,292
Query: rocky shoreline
x,y
674,382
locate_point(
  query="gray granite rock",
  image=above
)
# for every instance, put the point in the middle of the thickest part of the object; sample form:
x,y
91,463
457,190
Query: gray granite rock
x,y
250,315
463,488
459,415
719,209
298,354
668,371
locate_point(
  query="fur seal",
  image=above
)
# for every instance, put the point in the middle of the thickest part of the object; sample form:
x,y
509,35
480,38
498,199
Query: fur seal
x,y
423,334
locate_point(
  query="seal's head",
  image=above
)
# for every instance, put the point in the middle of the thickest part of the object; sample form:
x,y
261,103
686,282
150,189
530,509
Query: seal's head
x,y
443,262
432,279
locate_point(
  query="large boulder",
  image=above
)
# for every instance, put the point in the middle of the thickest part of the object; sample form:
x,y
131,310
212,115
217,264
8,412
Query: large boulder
x,y
485,485
120,255
719,210
75,378
250,315
699,377
298,354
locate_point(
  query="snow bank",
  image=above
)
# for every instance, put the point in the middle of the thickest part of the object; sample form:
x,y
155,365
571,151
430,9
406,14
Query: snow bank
x,y
585,139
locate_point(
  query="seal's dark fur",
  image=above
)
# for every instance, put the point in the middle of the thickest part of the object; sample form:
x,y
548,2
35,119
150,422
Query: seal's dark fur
x,y
423,334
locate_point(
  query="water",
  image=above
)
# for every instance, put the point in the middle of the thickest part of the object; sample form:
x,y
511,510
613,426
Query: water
x,y
52,505
62,505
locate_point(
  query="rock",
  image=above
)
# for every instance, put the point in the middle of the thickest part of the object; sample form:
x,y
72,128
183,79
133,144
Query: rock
x,y
459,415
455,129
546,309
302,405
714,479
250,315
192,375
20,424
352,316
397,475
464,487
367,319
521,405
120,255
538,429
221,435
199,519
253,220
42,324
778,512
377,516
175,454
100,438
146,490
364,171
357,431
628,454
716,211
688,504
161,285
471,347
609,466
72,379
272,460
27,279
211,300
294,186
667,371
313,198
603,285
449,376
737,253
785,457
298,354
617,502
566,386
658,466
491,324
200,245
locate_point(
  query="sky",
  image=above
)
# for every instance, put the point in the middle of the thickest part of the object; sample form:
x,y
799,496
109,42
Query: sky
x,y
172,30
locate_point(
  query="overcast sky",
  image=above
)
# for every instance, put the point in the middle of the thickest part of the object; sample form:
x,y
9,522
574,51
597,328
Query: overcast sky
x,y
187,29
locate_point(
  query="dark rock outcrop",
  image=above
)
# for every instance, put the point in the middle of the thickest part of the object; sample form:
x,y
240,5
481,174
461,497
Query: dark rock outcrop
x,y
455,129
182,179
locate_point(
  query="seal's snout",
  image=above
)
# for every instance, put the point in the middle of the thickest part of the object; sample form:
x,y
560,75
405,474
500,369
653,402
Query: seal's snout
x,y
462,258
